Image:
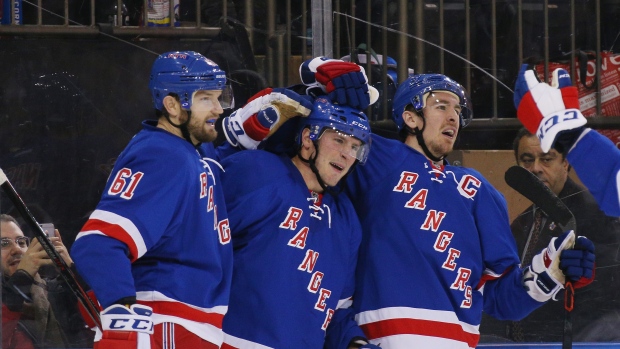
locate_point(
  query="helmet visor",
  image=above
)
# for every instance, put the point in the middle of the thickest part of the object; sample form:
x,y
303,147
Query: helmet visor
x,y
345,143
466,113
227,98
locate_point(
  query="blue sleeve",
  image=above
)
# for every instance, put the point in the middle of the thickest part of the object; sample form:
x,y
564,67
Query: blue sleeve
x,y
342,329
100,260
504,296
384,155
597,163
221,152
124,227
246,187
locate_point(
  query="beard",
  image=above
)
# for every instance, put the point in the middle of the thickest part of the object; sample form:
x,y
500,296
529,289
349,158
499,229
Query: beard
x,y
201,131
440,149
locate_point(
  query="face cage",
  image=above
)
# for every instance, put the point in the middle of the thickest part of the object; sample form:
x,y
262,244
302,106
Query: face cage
x,y
361,154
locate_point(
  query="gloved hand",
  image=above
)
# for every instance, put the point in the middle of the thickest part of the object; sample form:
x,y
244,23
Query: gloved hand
x,y
578,263
543,279
549,111
370,346
125,327
343,82
264,113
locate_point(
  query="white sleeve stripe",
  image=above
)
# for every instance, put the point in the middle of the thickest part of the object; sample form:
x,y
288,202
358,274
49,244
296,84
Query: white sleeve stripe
x,y
90,232
125,224
344,303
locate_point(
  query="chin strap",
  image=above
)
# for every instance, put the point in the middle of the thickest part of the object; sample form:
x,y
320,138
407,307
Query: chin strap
x,y
311,162
418,135
183,127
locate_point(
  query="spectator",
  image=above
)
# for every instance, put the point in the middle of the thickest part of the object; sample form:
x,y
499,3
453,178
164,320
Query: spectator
x,y
30,312
597,307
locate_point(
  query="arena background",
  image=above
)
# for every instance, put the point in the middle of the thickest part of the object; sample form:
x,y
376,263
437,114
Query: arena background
x,y
73,83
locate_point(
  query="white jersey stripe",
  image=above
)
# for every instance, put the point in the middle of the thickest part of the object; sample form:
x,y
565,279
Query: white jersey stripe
x,y
414,313
125,224
242,343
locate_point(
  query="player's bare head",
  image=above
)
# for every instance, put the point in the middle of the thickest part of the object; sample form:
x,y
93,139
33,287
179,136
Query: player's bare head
x,y
333,129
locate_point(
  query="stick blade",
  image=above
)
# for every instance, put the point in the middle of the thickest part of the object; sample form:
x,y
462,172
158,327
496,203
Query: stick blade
x,y
528,185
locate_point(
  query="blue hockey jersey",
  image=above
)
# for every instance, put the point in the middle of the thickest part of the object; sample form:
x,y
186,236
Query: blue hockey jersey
x,y
436,249
161,233
597,163
294,254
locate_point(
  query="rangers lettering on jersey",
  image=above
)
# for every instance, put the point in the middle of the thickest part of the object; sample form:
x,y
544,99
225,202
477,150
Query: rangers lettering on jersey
x,y
311,257
294,215
433,220
407,180
467,187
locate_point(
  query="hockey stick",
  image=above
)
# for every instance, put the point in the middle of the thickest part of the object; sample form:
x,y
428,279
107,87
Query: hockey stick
x,y
47,245
528,185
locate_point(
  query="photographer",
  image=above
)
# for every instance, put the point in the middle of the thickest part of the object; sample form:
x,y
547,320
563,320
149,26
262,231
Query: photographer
x,y
36,312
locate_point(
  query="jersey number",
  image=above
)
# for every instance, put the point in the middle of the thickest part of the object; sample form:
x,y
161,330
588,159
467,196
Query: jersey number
x,y
125,183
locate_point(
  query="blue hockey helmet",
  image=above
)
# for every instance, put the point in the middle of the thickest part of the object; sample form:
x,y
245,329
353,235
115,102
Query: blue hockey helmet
x,y
341,118
183,73
416,88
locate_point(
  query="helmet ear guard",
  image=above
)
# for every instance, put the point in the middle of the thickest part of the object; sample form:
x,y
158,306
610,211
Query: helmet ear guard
x,y
416,88
183,73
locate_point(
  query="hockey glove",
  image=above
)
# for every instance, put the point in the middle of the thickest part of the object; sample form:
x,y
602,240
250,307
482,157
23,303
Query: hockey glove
x,y
125,328
343,82
543,279
264,113
578,264
549,111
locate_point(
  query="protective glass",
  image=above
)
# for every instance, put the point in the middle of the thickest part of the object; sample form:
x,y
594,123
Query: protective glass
x,y
20,241
345,144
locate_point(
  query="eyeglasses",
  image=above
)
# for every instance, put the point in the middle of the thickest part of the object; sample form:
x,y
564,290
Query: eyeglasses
x,y
20,241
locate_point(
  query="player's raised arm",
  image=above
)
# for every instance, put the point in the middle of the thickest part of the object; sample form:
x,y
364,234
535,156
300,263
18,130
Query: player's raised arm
x,y
551,112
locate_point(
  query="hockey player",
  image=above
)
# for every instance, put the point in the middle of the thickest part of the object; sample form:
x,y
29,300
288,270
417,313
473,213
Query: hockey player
x,y
295,250
437,247
552,114
156,250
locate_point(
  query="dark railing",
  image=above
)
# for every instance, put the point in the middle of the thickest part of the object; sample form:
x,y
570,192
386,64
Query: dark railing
x,y
479,43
